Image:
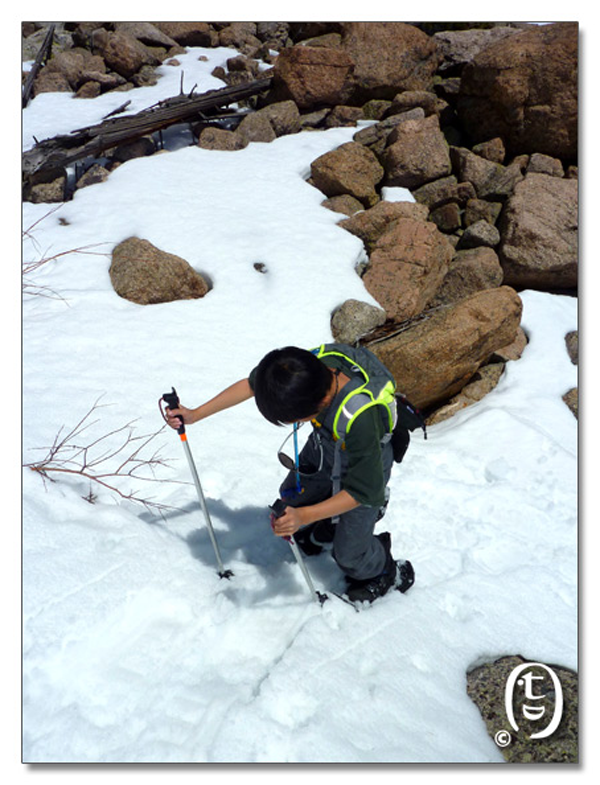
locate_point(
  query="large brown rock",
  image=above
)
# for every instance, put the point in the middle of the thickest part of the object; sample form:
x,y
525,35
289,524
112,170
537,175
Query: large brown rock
x,y
524,90
375,137
147,33
66,71
417,153
190,33
539,228
388,57
142,273
122,52
470,271
370,224
221,139
407,266
353,319
312,76
349,169
459,47
434,359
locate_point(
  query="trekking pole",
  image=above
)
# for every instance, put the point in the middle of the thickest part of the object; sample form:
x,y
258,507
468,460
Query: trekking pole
x,y
172,401
278,508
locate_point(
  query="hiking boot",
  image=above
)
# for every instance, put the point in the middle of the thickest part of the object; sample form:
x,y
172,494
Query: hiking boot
x,y
395,575
405,576
312,539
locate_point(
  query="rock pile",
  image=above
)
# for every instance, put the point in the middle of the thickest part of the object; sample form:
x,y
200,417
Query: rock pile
x,y
479,125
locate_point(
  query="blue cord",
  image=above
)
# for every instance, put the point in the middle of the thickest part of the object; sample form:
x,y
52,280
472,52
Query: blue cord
x,y
296,458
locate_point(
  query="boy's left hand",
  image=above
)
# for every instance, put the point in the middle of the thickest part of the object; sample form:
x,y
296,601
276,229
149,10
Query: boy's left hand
x,y
289,523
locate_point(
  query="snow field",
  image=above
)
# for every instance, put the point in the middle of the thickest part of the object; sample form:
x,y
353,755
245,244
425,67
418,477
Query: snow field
x,y
133,649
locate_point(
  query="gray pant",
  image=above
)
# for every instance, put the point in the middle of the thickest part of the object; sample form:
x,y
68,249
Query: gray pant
x,y
357,552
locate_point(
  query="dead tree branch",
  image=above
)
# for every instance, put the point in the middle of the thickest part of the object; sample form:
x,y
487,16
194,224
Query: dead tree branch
x,y
60,151
29,267
104,460
42,56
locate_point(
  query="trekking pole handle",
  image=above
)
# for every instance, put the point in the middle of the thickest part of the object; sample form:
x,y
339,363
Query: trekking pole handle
x,y
172,401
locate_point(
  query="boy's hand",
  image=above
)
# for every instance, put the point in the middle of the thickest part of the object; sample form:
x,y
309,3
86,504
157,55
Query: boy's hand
x,y
288,524
173,417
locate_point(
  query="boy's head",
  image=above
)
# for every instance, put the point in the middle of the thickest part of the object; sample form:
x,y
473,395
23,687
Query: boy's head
x,y
290,385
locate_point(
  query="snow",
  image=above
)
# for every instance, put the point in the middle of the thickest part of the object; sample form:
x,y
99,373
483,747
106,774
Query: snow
x,y
133,649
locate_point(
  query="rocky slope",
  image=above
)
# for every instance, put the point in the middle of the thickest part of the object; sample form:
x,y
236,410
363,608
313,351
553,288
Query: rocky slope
x,y
478,123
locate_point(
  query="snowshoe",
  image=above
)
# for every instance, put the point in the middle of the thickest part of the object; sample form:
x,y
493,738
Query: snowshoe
x,y
313,538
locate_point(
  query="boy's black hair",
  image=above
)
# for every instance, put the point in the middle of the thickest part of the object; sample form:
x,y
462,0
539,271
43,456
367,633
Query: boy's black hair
x,y
290,385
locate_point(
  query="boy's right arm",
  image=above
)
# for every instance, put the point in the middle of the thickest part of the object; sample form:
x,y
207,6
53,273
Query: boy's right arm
x,y
231,396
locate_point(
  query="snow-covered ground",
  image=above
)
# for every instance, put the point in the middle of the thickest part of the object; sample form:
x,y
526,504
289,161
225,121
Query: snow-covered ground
x,y
133,649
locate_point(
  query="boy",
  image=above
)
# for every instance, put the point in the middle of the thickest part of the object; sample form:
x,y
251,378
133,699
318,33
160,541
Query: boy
x,y
339,491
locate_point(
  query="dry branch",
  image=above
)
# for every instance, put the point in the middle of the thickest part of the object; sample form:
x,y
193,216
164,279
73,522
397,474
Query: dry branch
x,y
42,55
60,151
29,267
104,460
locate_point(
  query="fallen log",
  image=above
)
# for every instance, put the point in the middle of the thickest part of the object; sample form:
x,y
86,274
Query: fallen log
x,y
54,154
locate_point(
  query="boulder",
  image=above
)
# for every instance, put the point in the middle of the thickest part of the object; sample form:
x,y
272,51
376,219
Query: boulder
x,y
417,153
388,57
241,36
459,47
370,224
470,271
275,34
221,139
407,266
572,342
343,116
513,350
492,150
539,230
312,76
375,137
437,192
68,71
413,99
51,82
545,164
481,210
486,686
353,319
148,34
524,90
349,169
283,116
190,33
255,127
447,218
345,204
122,52
480,233
571,398
142,273
437,356
474,169
483,382
95,174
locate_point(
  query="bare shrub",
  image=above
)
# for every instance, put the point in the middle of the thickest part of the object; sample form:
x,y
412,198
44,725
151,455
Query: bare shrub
x,y
104,460
30,267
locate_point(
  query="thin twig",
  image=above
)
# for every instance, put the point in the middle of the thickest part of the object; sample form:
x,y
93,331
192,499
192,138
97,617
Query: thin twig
x,y
94,460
